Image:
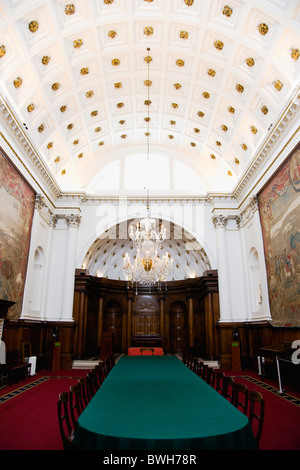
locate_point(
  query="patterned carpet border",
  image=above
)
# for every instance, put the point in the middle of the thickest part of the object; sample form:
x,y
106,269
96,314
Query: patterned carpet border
x,y
24,388
18,391
290,398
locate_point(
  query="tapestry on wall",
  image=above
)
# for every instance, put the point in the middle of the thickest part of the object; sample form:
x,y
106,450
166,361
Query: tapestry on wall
x,y
279,205
16,212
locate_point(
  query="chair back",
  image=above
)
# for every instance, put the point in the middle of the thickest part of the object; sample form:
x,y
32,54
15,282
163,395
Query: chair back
x,y
219,381
210,376
82,392
147,350
227,391
240,398
75,407
256,414
64,422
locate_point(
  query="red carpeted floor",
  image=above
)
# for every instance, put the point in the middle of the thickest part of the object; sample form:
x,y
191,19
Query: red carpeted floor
x,y
28,416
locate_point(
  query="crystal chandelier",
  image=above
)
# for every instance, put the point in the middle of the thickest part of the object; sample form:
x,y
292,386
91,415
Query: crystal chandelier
x,y
148,267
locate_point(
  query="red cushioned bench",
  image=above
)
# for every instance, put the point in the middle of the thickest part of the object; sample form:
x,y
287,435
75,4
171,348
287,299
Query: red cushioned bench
x,y
145,351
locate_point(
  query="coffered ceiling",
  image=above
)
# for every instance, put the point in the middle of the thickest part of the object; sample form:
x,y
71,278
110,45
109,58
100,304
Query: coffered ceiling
x,y
222,75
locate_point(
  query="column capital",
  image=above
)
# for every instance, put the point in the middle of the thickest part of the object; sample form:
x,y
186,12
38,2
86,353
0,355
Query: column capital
x,y
219,221
73,220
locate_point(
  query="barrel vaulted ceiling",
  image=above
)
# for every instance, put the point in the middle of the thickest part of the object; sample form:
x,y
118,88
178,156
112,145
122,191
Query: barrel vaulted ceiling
x,y
222,74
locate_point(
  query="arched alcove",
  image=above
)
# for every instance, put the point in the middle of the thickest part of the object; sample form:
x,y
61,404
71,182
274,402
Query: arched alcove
x,y
37,280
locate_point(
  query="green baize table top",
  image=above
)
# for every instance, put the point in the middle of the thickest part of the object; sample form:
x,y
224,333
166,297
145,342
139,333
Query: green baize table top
x,y
156,402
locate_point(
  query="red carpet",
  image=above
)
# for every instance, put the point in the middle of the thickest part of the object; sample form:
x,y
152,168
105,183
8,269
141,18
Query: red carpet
x,y
28,418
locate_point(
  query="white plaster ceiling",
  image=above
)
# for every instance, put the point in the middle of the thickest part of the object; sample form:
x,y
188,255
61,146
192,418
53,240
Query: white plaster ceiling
x,y
208,58
105,256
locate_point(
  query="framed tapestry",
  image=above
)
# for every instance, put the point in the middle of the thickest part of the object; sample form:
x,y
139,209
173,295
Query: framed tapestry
x,y
16,212
279,208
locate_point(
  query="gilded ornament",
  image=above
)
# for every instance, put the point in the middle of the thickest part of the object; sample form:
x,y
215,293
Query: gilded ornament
x,y
253,129
200,113
295,53
239,88
231,110
180,62
18,82
244,147
184,35
236,161
118,85
172,122
30,107
101,143
122,122
112,34
98,129
77,43
33,26
227,10
70,9
75,142
212,156
57,160
264,109
148,59
94,113
55,86
171,136
49,145
147,102
206,95
45,60
89,94
70,126
219,45
41,128
84,71
147,82
193,144
250,62
174,105
278,85
80,155
189,2
2,50
63,172
123,136
120,105
218,143
147,134
108,2
177,86
229,173
211,72
115,62
147,119
196,130
63,108
224,128
148,30
263,28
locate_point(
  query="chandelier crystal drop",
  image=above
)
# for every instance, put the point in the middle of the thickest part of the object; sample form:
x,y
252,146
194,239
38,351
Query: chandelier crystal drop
x,y
148,268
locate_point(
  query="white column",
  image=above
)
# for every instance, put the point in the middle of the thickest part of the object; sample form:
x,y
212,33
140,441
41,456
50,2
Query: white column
x,y
223,272
73,222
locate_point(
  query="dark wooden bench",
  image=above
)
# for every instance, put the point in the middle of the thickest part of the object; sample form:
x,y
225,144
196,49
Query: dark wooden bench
x,y
14,369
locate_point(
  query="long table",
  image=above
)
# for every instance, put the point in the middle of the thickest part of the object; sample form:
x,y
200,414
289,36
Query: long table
x,y
157,403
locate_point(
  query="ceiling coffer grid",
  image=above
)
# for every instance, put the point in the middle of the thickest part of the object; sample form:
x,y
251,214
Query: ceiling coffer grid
x,y
221,72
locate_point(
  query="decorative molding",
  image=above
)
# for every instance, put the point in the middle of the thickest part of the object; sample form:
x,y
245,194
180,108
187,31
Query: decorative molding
x,y
219,221
73,220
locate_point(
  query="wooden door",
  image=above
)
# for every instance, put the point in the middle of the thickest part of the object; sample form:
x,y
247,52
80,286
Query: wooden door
x,y
178,327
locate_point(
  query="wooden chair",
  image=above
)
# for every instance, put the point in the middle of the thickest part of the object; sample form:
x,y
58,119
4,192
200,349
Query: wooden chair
x,y
210,376
147,349
203,371
91,385
256,414
240,397
227,391
64,422
74,404
219,381
82,392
